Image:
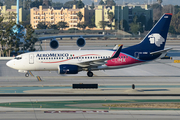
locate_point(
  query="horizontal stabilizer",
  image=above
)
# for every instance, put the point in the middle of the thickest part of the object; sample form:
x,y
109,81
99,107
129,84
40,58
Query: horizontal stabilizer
x,y
161,51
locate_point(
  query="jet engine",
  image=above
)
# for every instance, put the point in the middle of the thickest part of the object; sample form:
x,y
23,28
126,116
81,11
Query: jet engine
x,y
68,69
54,44
81,42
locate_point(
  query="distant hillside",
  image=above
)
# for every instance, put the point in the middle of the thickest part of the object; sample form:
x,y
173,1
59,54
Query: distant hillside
x,y
165,2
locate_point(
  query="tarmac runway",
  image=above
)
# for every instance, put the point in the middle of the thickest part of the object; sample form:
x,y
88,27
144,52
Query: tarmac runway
x,y
161,76
112,115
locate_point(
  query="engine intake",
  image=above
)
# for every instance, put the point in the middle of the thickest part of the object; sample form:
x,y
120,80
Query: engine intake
x,y
81,42
54,44
68,69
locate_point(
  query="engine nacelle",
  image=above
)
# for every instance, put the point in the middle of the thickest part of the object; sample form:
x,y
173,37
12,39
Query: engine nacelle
x,y
54,44
68,69
81,42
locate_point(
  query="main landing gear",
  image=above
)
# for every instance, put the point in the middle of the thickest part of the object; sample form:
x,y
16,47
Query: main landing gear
x,y
89,74
27,74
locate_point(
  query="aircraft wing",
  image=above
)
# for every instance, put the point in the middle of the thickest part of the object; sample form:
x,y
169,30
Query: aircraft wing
x,y
101,61
69,36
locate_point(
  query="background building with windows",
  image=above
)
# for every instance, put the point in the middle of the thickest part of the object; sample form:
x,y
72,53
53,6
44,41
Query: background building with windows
x,y
7,12
51,16
123,12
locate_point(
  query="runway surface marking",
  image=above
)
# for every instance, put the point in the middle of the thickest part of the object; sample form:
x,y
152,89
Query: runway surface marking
x,y
21,89
99,104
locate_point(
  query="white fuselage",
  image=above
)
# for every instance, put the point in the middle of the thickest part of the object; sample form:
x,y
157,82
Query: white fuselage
x,y
50,60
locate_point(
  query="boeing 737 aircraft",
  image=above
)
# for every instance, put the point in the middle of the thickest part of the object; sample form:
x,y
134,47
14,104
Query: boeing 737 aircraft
x,y
74,61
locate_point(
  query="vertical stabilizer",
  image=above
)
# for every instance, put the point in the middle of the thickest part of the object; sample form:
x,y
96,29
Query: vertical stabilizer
x,y
155,40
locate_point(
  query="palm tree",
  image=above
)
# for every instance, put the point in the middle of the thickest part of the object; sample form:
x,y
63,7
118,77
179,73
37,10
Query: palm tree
x,y
110,17
80,16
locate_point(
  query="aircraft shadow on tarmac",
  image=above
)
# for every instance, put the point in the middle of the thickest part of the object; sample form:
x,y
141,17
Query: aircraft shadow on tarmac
x,y
156,90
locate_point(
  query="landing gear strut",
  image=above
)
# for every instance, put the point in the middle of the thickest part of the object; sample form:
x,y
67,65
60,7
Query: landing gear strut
x,y
27,74
89,74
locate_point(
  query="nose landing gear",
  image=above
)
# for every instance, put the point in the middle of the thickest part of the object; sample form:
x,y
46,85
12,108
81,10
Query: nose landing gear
x,y
90,74
27,74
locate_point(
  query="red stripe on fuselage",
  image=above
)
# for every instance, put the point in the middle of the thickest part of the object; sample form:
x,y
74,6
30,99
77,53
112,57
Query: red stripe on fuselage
x,y
123,59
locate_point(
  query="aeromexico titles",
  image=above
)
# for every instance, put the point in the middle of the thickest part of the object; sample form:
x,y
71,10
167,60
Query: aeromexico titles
x,y
74,61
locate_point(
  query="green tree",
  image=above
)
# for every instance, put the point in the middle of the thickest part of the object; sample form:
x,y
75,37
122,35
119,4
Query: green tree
x,y
80,16
175,22
8,3
69,4
157,11
110,3
172,30
53,26
57,5
82,25
110,17
8,39
80,4
36,3
176,9
92,6
61,25
149,24
92,22
103,24
41,25
1,4
101,2
125,25
27,4
29,39
134,26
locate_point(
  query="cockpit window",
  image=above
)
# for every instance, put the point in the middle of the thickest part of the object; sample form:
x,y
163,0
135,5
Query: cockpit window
x,y
18,57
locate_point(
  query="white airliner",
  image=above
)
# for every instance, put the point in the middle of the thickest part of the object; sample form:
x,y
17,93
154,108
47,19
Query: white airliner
x,y
74,61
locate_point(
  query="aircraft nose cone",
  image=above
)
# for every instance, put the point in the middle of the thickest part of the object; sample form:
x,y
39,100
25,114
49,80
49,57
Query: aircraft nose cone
x,y
9,64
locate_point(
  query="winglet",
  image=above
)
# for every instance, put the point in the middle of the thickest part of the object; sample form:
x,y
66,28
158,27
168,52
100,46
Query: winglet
x,y
117,52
